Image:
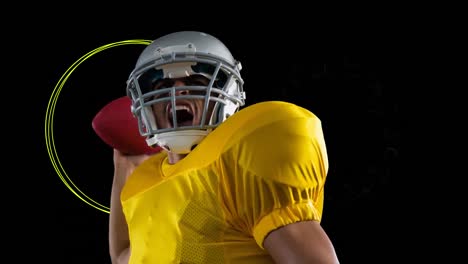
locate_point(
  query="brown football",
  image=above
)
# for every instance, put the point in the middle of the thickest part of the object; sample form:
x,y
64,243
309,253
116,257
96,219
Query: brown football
x,y
118,128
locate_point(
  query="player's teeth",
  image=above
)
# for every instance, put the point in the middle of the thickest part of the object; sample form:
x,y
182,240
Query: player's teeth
x,y
180,107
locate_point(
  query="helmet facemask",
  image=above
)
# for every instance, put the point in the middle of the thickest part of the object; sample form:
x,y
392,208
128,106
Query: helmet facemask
x,y
208,103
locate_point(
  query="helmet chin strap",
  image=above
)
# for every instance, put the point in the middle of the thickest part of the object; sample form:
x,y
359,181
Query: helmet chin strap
x,y
179,142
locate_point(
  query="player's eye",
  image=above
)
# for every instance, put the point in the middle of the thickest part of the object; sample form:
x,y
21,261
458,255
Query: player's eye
x,y
196,80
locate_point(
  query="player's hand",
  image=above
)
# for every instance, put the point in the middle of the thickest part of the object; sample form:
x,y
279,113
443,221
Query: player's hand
x,y
125,164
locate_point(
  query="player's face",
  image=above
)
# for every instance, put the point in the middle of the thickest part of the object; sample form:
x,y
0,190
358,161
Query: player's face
x,y
188,111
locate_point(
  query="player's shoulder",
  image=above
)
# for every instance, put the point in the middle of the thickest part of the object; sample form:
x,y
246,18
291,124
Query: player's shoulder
x,y
274,108
253,121
267,138
265,113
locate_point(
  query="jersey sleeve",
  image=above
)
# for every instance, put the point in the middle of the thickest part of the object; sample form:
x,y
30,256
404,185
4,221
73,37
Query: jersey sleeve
x,y
278,178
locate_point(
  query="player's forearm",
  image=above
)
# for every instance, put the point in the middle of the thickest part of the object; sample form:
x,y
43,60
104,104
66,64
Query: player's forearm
x,y
122,258
118,238
118,230
119,245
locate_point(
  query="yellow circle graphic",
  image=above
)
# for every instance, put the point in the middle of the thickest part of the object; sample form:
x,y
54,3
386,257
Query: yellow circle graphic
x,y
49,122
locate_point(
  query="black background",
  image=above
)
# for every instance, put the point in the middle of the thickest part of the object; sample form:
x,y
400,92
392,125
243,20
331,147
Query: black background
x,y
346,73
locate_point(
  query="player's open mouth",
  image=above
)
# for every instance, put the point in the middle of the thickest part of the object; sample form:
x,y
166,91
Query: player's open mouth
x,y
183,113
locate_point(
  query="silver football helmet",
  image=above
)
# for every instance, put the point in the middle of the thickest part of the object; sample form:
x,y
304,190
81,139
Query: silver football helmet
x,y
183,55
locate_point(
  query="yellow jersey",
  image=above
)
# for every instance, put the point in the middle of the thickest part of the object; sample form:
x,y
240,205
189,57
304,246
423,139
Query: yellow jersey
x,y
263,168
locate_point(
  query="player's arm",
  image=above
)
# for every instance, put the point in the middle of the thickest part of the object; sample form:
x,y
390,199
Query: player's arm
x,y
119,243
301,242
